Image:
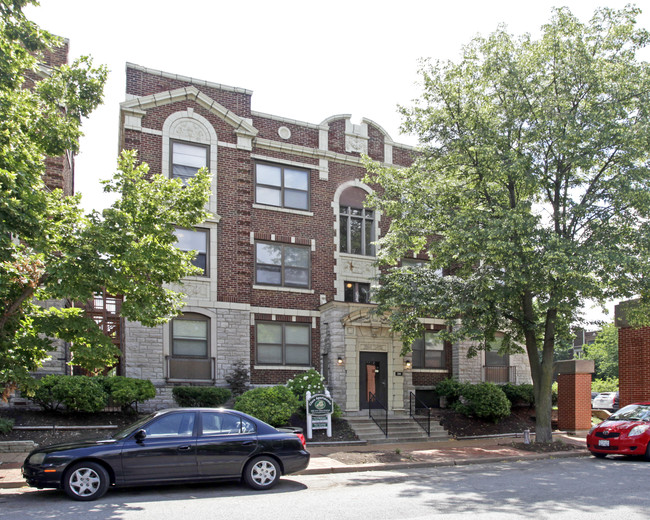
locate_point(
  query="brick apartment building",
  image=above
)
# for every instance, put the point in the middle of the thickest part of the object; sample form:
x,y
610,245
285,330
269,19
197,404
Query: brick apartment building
x,y
287,255
59,171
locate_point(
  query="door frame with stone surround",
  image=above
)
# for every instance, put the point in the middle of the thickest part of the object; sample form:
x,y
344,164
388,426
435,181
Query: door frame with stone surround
x,y
373,377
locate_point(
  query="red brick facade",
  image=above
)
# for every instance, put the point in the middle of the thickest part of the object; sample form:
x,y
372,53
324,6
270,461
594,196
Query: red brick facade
x,y
59,171
633,365
241,221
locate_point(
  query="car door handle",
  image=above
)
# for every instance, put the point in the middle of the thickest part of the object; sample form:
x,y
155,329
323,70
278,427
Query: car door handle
x,y
248,443
183,448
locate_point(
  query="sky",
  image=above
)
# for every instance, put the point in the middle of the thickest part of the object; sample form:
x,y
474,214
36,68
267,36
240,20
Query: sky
x,y
303,60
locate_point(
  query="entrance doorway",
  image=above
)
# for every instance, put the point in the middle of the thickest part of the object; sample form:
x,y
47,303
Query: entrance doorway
x,y
373,377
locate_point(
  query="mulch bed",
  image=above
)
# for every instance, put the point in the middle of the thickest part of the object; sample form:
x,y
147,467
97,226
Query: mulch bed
x,y
457,425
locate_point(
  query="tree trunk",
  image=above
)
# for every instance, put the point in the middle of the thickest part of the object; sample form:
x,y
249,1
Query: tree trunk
x,y
544,405
541,368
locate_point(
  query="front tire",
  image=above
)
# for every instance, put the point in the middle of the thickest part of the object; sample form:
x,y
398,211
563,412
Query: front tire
x,y
262,473
86,481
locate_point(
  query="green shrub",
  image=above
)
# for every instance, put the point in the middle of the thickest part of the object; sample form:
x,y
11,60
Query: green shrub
x,y
6,425
519,395
605,385
313,382
451,389
127,392
273,405
310,381
75,393
199,396
238,379
484,401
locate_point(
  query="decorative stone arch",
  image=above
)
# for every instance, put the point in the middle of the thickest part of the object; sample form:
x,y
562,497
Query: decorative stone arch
x,y
189,126
355,183
349,267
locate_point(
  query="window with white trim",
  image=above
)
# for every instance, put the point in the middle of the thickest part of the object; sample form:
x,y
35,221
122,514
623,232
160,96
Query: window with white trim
x,y
190,333
187,159
194,240
283,343
429,351
357,292
281,186
284,265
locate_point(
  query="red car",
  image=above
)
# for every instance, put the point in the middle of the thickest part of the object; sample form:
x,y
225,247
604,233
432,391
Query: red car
x,y
626,432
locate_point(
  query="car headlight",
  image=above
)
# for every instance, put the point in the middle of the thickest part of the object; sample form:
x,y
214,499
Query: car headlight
x,y
638,430
37,458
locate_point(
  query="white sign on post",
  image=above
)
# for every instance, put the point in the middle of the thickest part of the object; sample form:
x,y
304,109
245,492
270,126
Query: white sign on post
x,y
319,412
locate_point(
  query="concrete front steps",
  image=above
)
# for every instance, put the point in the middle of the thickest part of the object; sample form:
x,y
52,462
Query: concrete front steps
x,y
401,428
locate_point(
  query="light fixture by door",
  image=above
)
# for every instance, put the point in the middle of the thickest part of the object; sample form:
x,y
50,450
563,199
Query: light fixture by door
x,y
339,360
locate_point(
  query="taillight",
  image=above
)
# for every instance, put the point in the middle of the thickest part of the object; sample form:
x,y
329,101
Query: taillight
x,y
302,439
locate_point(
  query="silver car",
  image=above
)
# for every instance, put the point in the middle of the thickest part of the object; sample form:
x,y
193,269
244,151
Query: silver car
x,y
606,401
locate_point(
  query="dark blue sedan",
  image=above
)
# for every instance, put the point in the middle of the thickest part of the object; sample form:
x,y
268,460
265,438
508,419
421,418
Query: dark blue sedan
x,y
171,446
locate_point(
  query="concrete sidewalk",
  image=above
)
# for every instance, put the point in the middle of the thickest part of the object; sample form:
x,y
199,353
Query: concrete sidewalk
x,y
339,458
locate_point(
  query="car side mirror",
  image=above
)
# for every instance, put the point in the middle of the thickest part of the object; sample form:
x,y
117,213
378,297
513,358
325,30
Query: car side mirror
x,y
140,435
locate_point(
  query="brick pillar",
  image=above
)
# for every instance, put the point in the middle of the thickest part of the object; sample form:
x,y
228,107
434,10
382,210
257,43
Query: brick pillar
x,y
574,394
633,357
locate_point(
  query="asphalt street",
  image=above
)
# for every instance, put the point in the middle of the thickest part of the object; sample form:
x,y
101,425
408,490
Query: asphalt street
x,y
575,489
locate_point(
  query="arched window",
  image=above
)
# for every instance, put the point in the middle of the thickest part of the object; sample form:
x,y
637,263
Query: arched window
x,y
357,224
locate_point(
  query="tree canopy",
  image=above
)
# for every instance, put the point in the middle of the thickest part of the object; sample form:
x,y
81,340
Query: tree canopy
x,y
604,352
51,254
531,188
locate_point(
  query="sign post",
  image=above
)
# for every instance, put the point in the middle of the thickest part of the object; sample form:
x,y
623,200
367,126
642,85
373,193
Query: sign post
x,y
319,412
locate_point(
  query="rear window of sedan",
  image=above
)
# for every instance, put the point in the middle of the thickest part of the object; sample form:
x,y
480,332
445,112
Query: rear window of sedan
x,y
218,423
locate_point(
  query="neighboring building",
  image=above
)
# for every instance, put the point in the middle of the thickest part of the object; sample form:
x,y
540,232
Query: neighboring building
x,y
582,339
59,171
59,174
287,256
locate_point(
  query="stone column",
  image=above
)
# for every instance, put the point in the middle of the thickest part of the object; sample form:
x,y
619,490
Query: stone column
x,y
574,394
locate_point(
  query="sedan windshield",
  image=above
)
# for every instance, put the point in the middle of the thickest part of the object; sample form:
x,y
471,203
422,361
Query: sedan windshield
x,y
125,432
633,412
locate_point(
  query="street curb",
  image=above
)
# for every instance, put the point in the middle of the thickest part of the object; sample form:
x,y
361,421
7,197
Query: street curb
x,y
12,485
390,466
443,463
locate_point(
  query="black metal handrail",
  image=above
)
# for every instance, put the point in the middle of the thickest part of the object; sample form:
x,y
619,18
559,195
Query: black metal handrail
x,y
422,420
380,409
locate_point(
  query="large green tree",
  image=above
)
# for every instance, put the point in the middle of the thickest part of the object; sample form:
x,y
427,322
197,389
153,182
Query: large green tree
x,y
604,352
51,254
532,187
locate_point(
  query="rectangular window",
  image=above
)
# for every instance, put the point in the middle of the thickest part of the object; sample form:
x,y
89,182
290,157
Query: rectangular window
x,y
283,343
281,186
197,241
357,231
494,359
357,292
188,159
190,336
429,351
282,264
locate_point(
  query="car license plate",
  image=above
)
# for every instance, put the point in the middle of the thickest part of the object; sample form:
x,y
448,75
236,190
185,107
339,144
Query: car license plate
x,y
603,443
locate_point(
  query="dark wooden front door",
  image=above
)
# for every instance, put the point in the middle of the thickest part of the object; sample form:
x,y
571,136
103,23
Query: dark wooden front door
x,y
373,377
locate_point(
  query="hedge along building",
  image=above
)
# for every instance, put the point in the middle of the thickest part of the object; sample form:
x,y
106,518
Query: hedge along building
x,y
287,255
